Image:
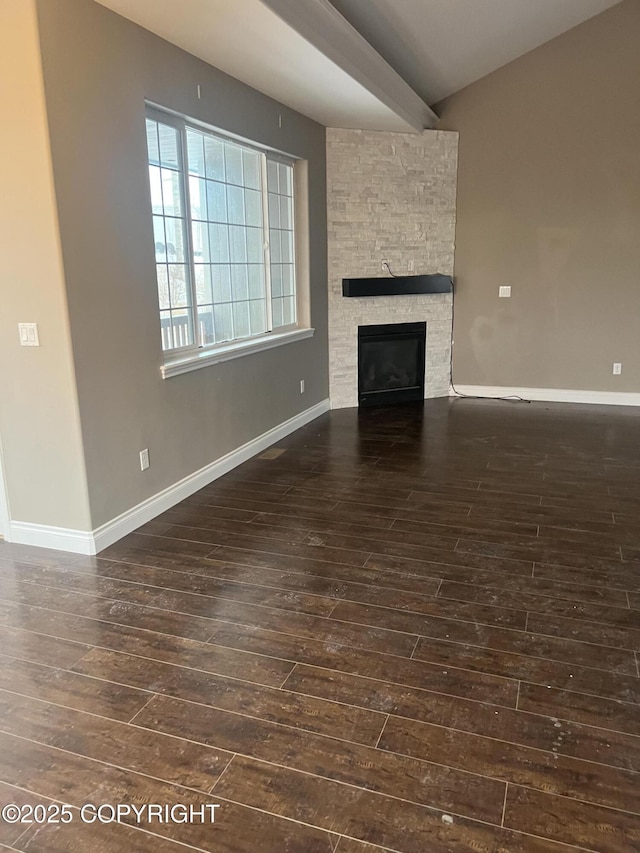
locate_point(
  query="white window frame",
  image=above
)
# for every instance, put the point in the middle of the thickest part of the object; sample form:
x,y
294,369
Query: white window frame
x,y
184,359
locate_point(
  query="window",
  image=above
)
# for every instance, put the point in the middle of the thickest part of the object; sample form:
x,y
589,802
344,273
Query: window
x,y
223,224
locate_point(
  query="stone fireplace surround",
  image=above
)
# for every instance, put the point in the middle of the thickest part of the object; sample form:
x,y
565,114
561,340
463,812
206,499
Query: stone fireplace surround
x,y
390,196
434,309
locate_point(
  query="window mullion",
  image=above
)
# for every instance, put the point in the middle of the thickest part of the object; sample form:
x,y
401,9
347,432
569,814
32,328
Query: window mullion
x,y
294,247
184,169
266,240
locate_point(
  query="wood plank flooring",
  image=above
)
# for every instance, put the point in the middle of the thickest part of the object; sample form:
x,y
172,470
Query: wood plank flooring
x,y
416,629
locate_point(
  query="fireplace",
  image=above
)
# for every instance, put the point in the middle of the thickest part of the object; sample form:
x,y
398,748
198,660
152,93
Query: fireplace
x,y
391,360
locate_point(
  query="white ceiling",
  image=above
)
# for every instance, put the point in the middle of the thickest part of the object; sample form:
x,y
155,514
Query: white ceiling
x,y
249,41
440,46
306,55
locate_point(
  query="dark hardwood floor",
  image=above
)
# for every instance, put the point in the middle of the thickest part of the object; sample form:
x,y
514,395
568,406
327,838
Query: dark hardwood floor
x,y
410,629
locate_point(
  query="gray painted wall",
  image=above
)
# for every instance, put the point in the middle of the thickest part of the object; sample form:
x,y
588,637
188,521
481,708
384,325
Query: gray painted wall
x,y
98,70
549,202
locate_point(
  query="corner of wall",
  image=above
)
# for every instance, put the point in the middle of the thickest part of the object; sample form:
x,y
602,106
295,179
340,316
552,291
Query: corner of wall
x,y
39,423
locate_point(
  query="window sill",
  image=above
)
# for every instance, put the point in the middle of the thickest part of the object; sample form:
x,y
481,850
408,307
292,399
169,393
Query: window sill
x,y
235,349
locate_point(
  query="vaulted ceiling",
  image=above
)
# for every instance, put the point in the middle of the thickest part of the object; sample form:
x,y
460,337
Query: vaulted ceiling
x,y
359,63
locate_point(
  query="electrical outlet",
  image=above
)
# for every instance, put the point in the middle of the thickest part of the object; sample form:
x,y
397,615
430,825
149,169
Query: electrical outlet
x,y
384,265
411,266
504,291
617,368
144,459
302,386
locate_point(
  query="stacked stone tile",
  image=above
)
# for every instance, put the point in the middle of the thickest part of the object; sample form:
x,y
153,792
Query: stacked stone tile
x,y
391,196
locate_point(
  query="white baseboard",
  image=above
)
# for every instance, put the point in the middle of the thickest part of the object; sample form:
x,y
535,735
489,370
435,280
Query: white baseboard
x,y
553,395
47,536
85,542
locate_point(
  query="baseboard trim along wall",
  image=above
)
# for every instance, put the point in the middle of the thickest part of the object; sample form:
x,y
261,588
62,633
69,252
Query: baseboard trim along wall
x,y
552,395
47,536
84,542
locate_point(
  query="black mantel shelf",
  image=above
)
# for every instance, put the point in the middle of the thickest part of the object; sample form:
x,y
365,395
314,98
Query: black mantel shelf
x,y
399,285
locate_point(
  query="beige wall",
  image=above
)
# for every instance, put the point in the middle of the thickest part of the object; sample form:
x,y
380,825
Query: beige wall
x,y
549,202
39,424
98,71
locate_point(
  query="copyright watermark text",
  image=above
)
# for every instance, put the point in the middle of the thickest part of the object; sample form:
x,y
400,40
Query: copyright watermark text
x,y
146,813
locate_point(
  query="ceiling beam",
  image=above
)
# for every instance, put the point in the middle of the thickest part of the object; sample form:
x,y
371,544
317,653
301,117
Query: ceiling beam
x,y
319,23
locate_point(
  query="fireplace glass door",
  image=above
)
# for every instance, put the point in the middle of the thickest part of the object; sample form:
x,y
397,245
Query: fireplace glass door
x,y
391,362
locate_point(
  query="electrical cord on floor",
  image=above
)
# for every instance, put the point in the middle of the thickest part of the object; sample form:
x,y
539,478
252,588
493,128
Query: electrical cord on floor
x,y
509,398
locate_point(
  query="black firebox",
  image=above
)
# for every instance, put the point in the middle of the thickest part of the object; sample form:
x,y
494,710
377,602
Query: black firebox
x,y
391,363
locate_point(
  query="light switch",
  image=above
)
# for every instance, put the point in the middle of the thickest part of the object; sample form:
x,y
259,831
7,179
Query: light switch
x,y
28,334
